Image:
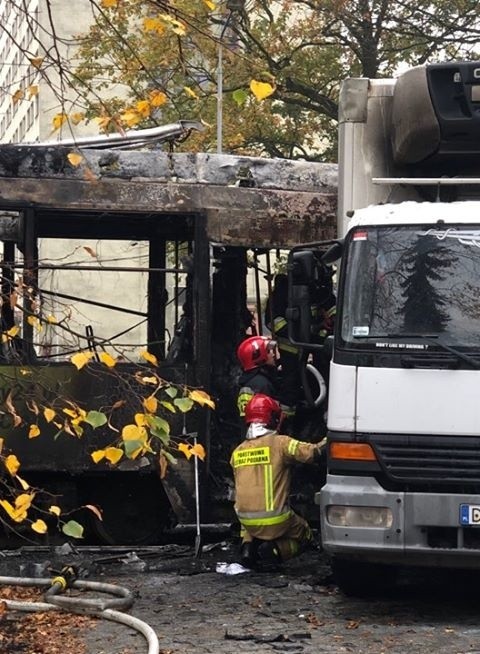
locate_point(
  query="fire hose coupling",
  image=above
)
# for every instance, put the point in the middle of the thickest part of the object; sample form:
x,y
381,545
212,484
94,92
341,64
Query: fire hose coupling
x,y
68,574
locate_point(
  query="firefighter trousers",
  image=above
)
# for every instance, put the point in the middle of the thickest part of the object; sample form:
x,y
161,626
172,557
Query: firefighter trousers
x,y
291,536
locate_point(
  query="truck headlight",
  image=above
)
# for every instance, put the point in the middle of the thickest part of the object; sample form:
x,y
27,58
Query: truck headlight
x,y
359,516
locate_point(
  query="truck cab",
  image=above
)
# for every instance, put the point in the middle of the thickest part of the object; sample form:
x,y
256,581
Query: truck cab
x,y
403,472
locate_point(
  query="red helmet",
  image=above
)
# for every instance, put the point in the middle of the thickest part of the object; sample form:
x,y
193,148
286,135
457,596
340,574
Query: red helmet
x,y
263,409
253,351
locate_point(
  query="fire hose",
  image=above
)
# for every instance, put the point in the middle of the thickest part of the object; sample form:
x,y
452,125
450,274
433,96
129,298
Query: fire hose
x,y
100,608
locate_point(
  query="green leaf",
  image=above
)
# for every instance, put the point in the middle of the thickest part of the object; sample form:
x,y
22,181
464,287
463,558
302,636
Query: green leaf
x,y
159,428
171,391
168,405
132,446
183,403
73,529
170,458
96,419
240,95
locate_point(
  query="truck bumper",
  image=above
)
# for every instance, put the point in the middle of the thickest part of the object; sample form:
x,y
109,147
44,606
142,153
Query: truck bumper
x,y
423,529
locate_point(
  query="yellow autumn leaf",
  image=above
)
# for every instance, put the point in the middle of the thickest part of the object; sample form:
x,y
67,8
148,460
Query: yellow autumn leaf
x,y
11,333
143,108
58,120
55,510
77,117
113,454
98,455
24,501
49,414
190,92
34,431
198,450
107,359
52,320
176,25
1,444
210,4
185,449
39,526
153,381
24,484
150,404
75,158
134,433
151,358
81,359
261,90
22,504
141,420
36,62
34,322
17,96
103,121
11,511
157,98
32,91
109,3
130,117
153,25
12,464
202,398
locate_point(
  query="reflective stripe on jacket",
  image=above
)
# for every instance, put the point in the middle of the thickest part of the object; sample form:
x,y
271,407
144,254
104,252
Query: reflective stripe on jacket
x,y
244,396
262,477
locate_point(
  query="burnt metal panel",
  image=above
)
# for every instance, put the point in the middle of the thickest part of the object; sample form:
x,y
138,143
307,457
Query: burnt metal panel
x,y
287,202
236,215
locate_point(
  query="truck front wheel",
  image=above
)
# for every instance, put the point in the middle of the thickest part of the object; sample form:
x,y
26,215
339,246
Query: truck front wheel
x,y
362,578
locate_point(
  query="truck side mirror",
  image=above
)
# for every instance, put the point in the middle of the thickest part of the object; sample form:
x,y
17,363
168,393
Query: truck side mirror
x,y
334,253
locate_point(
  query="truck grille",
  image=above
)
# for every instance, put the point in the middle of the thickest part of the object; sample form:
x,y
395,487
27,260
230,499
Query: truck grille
x,y
439,459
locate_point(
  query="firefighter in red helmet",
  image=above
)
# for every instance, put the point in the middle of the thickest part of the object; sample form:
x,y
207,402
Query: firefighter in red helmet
x,y
271,531
257,356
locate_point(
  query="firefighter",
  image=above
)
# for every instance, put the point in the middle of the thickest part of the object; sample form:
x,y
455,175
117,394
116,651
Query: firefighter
x,y
257,356
290,354
271,531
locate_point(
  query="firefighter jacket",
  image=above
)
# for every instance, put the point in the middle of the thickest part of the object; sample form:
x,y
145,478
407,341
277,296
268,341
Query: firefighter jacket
x,y
264,380
262,475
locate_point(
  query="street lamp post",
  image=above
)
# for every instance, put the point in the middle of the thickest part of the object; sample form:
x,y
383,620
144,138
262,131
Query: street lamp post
x,y
232,6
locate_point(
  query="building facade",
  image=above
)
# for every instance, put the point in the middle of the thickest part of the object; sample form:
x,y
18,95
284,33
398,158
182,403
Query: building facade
x,y
31,94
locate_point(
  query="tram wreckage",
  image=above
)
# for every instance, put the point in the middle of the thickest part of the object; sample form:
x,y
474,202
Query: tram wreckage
x,y
125,251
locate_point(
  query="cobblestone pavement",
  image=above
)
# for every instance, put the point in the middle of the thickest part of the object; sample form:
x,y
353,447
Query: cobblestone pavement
x,y
195,609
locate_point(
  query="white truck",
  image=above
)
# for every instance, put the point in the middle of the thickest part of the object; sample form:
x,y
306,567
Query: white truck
x,y
403,460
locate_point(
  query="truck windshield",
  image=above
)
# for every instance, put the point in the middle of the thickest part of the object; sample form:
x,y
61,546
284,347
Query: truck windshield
x,y
408,281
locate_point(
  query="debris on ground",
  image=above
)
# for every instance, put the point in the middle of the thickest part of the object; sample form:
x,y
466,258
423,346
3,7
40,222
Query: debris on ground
x,y
45,632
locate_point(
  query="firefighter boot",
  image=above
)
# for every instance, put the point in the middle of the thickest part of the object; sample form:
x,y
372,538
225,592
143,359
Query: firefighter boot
x,y
248,553
268,556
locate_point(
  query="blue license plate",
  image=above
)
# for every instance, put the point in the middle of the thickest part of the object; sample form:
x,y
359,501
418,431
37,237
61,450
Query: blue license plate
x,y
470,514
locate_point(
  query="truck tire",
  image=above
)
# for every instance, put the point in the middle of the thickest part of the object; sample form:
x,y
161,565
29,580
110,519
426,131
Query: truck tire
x,y
362,578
